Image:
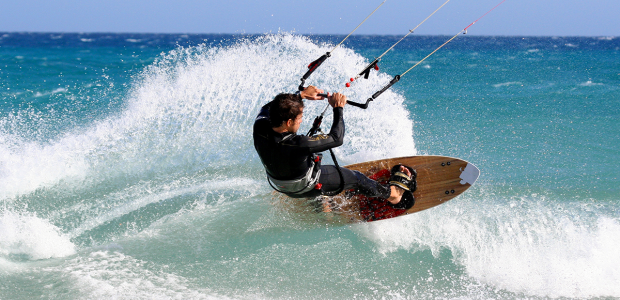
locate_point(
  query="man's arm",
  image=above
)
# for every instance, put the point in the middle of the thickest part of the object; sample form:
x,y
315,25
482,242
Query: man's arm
x,y
335,137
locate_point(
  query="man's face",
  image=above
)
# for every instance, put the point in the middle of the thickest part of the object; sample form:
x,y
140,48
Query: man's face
x,y
297,122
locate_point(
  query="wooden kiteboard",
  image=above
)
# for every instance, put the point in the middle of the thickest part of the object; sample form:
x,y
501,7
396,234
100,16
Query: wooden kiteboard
x,y
439,179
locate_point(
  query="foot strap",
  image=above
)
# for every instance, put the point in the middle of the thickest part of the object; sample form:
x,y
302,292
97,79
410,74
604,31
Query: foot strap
x,y
400,179
405,182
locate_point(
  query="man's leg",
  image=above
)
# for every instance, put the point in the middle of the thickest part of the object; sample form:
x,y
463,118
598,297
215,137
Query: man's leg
x,y
330,179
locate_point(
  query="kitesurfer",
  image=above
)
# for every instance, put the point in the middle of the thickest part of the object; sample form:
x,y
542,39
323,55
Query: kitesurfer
x,y
293,163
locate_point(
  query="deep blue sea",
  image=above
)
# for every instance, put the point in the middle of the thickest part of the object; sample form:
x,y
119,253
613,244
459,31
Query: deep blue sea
x,y
127,169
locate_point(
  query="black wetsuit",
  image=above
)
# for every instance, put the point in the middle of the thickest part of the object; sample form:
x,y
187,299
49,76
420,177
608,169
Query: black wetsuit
x,y
291,158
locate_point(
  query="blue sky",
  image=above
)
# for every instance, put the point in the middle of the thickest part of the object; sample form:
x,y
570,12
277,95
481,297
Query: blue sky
x,y
513,17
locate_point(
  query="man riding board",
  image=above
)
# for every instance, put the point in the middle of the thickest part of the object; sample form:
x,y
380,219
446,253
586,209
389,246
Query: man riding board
x,y
293,164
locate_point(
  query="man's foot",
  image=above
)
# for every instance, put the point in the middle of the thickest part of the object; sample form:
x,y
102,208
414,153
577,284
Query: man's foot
x,y
402,185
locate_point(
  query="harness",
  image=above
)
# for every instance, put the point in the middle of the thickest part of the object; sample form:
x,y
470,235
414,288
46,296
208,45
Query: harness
x,y
301,185
298,186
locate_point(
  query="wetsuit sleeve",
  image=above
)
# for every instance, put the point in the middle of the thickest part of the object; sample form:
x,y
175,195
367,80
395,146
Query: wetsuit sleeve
x,y
322,142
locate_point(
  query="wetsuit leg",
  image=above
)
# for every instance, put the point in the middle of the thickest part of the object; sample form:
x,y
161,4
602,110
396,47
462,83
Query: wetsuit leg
x,y
330,179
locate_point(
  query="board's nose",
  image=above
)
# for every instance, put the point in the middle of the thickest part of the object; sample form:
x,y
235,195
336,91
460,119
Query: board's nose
x,y
469,174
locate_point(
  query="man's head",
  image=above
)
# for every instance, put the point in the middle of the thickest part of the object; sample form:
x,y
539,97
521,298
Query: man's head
x,y
286,110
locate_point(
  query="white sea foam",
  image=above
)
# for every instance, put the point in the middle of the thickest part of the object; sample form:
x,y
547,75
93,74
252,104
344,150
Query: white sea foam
x,y
27,236
507,84
126,201
112,274
525,247
590,83
26,166
55,91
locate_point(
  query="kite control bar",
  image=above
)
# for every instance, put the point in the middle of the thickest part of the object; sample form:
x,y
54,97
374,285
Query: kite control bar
x,y
362,105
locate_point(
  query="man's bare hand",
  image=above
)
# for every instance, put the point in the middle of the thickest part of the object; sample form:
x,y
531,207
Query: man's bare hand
x,y
312,93
337,100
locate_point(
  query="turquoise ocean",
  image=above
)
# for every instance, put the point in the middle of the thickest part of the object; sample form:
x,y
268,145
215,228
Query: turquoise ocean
x,y
127,169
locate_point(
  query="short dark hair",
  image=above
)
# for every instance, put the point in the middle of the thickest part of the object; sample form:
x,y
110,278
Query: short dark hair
x,y
283,108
